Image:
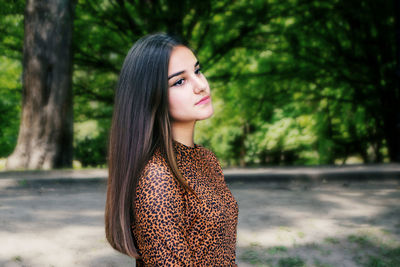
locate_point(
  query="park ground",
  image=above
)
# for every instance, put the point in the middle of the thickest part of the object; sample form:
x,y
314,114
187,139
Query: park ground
x,y
290,223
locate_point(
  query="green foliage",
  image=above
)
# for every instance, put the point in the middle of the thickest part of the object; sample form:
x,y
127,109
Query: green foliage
x,y
277,249
360,240
291,262
10,98
388,258
90,143
11,38
381,252
17,258
11,28
318,263
255,256
305,73
369,249
292,83
332,240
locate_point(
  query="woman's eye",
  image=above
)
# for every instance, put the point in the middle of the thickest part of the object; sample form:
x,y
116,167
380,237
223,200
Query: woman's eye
x,y
179,82
198,71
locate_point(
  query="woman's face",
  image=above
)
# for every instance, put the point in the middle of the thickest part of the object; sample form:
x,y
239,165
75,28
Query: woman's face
x,y
189,93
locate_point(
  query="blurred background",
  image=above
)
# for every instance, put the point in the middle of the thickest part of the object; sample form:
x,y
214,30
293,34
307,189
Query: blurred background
x,y
300,82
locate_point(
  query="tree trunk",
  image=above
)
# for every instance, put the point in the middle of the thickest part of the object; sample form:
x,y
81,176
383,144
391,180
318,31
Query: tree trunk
x,y
46,129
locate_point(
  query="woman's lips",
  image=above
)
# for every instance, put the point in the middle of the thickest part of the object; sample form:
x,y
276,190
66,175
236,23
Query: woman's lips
x,y
204,100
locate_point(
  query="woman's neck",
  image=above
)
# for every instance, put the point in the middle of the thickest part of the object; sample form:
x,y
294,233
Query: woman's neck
x,y
183,132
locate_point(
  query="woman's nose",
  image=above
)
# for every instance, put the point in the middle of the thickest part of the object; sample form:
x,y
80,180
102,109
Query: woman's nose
x,y
199,85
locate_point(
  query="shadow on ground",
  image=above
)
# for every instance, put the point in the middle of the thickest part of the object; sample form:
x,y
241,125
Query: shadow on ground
x,y
280,224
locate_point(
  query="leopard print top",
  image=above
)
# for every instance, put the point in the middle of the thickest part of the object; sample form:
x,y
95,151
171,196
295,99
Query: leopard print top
x,y
172,227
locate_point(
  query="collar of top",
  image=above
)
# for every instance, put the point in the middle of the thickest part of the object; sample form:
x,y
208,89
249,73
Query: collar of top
x,y
184,152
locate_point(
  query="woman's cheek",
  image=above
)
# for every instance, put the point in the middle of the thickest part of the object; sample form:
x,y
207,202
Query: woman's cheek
x,y
177,104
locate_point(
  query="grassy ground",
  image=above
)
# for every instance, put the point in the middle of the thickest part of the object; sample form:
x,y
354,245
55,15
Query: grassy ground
x,y
368,250
350,225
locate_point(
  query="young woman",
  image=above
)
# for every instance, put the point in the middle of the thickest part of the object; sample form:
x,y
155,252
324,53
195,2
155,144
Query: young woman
x,y
167,200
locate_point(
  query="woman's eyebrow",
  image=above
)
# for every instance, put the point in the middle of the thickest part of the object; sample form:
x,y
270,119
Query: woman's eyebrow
x,y
180,72
175,74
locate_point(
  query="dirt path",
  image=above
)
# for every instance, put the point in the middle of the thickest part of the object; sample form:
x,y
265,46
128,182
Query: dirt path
x,y
333,224
326,224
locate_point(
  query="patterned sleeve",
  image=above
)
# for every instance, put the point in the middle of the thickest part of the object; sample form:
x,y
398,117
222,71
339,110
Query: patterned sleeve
x,y
161,236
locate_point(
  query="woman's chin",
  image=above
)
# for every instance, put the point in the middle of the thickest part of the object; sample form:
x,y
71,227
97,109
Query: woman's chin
x,y
206,115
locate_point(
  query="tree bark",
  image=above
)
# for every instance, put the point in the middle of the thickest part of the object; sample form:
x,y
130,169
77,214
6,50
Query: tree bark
x,y
46,129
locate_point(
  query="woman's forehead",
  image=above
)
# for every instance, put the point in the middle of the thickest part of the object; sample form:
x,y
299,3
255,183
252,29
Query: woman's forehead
x,y
181,59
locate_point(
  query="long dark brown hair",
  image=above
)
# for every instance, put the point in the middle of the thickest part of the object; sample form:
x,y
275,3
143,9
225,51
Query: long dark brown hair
x,y
140,124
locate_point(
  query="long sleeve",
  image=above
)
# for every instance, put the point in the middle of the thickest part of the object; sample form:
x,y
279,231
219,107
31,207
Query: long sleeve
x,y
161,232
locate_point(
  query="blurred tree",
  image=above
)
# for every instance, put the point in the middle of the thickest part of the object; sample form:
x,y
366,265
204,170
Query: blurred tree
x,y
212,28
45,134
10,71
351,57
299,82
316,61
11,39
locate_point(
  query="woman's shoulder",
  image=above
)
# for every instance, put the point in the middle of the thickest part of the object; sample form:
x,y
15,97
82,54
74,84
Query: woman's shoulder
x,y
208,154
156,167
157,179
210,160
157,173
